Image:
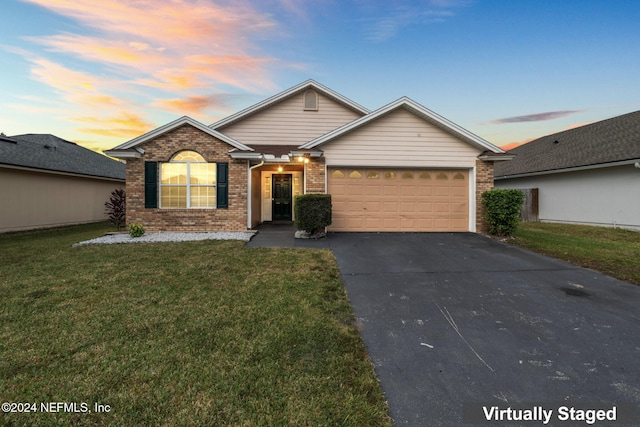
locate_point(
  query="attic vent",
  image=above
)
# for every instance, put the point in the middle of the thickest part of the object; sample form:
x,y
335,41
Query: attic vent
x,y
310,101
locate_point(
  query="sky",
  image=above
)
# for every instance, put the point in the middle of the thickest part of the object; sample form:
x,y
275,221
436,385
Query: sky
x,y
102,73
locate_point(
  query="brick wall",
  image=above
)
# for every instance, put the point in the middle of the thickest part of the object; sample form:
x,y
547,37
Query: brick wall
x,y
484,182
161,149
315,175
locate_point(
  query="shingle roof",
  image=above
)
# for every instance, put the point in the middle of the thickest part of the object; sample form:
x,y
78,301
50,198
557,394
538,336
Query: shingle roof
x,y
612,140
48,152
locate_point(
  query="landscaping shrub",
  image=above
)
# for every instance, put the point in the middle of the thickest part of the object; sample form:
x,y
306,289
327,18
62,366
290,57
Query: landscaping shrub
x,y
115,207
502,210
136,230
313,212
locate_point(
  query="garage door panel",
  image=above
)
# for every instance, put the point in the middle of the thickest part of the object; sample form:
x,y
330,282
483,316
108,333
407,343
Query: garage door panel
x,y
379,199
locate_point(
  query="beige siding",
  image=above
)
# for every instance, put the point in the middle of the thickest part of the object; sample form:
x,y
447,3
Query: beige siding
x,y
288,123
399,139
37,200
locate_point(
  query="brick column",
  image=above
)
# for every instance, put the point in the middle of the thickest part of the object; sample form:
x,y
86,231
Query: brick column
x,y
315,176
484,182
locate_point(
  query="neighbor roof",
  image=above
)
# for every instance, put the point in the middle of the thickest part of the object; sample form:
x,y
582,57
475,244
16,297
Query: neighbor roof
x,y
608,141
50,153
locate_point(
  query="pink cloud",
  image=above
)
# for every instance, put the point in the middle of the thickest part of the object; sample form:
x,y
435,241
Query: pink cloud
x,y
159,39
151,53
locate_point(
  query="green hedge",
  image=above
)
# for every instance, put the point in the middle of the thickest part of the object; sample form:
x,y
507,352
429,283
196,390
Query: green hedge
x,y
313,212
502,210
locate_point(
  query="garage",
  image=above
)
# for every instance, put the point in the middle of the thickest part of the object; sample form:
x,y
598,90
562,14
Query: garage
x,y
397,199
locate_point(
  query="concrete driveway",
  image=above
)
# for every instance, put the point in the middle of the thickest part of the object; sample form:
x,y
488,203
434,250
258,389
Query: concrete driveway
x,y
453,319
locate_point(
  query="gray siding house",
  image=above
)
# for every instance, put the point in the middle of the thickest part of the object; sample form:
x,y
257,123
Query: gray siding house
x,y
586,175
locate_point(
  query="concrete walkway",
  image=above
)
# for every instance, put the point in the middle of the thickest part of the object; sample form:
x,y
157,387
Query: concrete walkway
x,y
283,236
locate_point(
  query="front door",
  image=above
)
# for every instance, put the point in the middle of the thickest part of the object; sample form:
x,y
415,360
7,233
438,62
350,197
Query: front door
x,y
281,205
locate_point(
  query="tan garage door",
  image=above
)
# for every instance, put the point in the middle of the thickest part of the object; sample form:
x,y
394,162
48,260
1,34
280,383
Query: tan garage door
x,y
374,199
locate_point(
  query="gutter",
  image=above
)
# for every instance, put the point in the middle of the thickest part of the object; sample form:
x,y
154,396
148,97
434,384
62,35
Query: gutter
x,y
571,169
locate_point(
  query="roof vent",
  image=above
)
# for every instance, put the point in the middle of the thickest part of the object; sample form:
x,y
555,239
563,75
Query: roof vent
x,y
49,147
310,101
556,141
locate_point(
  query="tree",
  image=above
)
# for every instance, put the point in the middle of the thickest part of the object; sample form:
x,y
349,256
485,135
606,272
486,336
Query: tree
x,y
115,207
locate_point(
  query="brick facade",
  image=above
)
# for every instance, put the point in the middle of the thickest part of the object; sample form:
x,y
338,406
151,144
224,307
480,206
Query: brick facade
x,y
484,182
315,176
161,149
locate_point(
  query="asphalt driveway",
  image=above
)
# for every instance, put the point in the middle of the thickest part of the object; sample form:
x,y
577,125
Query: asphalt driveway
x,y
451,319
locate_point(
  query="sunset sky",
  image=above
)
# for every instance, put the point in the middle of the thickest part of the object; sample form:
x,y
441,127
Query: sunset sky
x,y
102,72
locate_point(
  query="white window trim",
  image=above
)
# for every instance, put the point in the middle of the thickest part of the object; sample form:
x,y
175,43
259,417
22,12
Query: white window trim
x,y
187,184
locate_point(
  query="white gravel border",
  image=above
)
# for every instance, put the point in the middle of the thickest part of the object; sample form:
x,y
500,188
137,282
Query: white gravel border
x,y
110,239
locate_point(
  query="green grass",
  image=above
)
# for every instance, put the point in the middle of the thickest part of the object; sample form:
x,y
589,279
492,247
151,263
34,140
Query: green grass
x,y
179,334
613,251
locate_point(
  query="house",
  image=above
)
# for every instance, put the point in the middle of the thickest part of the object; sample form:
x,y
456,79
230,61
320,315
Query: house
x,y
399,168
586,175
48,182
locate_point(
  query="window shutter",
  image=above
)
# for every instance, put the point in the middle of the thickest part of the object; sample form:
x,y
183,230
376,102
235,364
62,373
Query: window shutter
x,y
150,184
222,185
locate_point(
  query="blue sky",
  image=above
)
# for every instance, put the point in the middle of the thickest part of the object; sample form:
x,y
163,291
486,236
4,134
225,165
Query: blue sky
x,y
101,73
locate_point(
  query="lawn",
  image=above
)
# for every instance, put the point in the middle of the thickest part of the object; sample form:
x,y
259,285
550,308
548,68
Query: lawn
x,y
178,334
613,251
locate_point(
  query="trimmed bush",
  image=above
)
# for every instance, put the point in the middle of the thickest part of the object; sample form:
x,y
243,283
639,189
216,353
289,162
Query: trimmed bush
x,y
136,230
313,212
116,207
502,210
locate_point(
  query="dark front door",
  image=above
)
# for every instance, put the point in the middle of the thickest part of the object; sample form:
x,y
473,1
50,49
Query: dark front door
x,y
281,197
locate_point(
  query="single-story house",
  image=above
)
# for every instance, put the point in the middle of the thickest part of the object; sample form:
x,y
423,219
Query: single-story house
x,y
585,175
401,167
49,182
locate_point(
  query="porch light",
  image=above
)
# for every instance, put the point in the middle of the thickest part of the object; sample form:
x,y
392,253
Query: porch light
x,y
280,168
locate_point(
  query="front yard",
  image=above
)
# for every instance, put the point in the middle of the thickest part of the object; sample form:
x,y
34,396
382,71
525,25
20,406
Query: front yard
x,y
613,251
200,333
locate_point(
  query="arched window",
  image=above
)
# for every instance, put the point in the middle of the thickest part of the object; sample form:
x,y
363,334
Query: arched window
x,y
188,181
311,100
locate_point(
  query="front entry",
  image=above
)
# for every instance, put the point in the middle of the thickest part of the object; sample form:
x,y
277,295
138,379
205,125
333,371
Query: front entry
x,y
282,202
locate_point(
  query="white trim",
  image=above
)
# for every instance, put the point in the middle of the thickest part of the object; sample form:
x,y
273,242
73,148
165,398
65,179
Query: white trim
x,y
309,84
416,109
249,191
472,200
121,154
175,124
572,169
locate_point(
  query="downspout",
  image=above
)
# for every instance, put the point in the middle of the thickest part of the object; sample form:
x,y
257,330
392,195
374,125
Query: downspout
x,y
249,193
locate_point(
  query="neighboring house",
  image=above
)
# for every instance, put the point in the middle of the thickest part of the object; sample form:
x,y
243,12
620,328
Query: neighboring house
x,y
586,175
399,168
48,182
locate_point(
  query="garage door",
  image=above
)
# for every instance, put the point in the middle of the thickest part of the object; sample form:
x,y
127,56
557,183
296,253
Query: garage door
x,y
374,199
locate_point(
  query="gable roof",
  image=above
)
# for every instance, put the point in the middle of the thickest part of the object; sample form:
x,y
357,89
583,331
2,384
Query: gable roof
x,y
598,144
416,109
50,153
131,149
306,85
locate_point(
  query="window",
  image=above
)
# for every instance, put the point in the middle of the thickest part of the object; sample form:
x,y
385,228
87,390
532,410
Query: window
x,y
188,181
311,100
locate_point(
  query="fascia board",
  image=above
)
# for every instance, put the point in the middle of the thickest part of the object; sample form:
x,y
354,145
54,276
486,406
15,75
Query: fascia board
x,y
123,154
285,94
175,124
